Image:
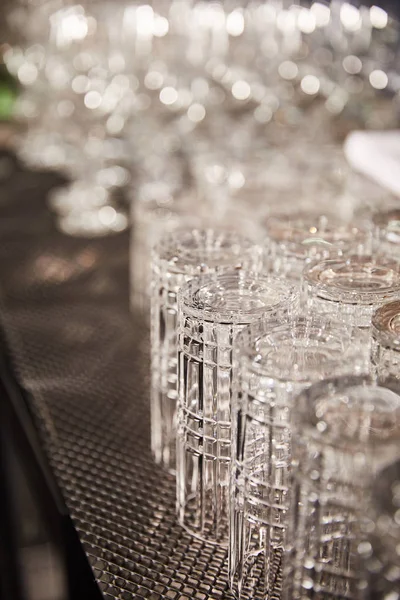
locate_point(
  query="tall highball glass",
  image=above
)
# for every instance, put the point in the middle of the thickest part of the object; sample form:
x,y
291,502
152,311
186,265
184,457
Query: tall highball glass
x,y
211,314
178,257
275,361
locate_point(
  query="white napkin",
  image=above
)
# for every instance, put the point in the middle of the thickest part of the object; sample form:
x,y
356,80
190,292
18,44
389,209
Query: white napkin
x,y
376,154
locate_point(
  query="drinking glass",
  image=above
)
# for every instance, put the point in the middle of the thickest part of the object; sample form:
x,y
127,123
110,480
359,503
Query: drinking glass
x,y
296,239
212,311
387,232
275,362
350,289
382,550
178,257
75,129
343,431
385,347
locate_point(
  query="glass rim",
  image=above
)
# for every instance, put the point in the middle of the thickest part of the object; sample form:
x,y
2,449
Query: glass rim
x,y
308,415
264,331
286,297
327,290
386,325
182,248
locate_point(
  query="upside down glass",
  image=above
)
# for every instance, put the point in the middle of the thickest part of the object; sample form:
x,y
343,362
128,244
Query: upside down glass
x,y
294,240
275,361
178,257
211,314
343,431
351,289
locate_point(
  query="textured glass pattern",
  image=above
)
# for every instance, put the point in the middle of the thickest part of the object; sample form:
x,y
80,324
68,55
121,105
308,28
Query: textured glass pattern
x,y
385,348
350,289
294,240
212,313
177,258
275,361
344,430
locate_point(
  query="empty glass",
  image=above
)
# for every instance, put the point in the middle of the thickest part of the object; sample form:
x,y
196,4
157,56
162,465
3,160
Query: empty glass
x,y
178,257
211,314
350,289
275,361
343,431
294,240
385,348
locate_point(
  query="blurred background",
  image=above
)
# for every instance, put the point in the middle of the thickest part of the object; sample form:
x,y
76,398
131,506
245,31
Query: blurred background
x,y
237,109
121,118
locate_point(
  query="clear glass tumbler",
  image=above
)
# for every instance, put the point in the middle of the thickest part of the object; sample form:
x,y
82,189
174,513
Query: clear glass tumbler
x,y
275,360
382,548
351,289
178,257
294,240
343,431
211,314
385,348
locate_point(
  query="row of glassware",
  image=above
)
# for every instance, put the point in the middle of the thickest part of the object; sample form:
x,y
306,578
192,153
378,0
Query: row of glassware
x,y
274,397
113,94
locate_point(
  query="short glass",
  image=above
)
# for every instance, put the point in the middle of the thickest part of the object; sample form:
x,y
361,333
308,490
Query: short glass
x,y
294,240
351,289
275,361
344,430
211,314
385,347
176,258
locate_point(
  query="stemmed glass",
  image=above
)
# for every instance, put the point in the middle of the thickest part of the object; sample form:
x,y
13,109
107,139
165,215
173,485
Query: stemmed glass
x,y
212,312
179,256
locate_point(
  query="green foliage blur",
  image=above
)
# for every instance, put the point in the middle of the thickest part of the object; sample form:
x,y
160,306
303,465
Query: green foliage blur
x,y
8,93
